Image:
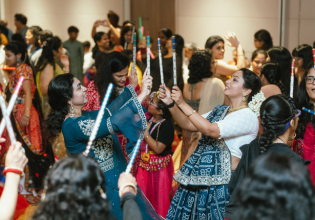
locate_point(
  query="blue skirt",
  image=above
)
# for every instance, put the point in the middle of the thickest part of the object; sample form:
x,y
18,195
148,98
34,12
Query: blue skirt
x,y
199,202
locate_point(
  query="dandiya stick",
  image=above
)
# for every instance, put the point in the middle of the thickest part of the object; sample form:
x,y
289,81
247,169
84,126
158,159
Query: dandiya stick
x,y
148,53
174,61
314,56
292,79
7,121
98,119
160,61
11,103
308,110
133,156
134,51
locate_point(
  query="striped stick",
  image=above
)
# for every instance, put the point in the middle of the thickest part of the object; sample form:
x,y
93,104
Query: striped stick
x,y
308,110
11,103
314,56
174,61
98,119
160,61
148,53
134,51
7,121
292,79
133,156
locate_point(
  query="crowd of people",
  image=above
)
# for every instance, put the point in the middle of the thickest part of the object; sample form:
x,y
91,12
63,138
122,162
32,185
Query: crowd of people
x,y
226,142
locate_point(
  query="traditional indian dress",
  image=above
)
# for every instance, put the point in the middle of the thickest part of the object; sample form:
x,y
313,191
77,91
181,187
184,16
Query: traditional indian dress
x,y
306,148
124,115
58,146
203,179
155,171
94,104
37,150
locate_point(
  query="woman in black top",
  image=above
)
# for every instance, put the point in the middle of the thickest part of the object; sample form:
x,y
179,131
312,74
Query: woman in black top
x,y
155,171
279,119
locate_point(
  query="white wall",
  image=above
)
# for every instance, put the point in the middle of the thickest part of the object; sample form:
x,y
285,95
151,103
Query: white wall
x,y
199,19
307,23
58,15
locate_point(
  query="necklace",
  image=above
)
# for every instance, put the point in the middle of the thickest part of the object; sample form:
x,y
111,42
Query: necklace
x,y
238,108
281,140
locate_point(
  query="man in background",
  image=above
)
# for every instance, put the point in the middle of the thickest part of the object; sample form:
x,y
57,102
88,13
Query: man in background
x,y
20,22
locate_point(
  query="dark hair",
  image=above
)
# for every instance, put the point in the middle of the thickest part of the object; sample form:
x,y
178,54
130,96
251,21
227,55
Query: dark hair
x,y
258,51
251,81
47,56
113,14
114,62
213,40
166,112
167,32
276,187
272,74
126,22
304,101
73,191
97,37
17,47
200,66
35,31
122,38
86,44
60,91
18,38
99,59
264,36
275,113
73,29
179,42
305,52
44,35
282,57
21,18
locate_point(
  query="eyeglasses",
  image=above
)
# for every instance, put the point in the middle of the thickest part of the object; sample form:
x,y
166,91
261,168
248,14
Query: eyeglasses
x,y
297,114
151,103
297,58
309,79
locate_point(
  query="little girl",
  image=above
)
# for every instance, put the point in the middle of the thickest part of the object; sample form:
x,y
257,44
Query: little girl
x,y
155,171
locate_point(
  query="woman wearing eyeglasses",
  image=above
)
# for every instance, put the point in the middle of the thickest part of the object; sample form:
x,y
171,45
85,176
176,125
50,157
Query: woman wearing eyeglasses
x,y
305,141
155,170
279,119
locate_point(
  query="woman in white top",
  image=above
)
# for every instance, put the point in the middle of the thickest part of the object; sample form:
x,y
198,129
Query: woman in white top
x,y
204,176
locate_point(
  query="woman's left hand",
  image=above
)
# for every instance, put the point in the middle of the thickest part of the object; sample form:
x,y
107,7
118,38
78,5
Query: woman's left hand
x,y
133,78
232,39
148,128
24,121
177,96
65,61
146,84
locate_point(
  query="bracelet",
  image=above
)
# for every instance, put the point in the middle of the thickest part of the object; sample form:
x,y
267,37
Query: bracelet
x,y
125,185
171,105
13,170
191,113
27,116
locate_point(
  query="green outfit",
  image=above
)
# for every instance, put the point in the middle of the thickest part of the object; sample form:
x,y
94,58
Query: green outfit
x,y
76,58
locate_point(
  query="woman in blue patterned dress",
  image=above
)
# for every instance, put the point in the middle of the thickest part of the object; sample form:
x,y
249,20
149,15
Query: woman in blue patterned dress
x,y
203,178
125,114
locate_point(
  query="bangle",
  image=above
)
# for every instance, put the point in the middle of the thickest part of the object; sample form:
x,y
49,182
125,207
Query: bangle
x,y
125,185
171,105
13,170
191,113
27,116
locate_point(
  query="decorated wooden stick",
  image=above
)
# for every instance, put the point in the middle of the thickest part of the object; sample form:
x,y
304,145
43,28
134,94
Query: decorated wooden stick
x,y
160,61
7,121
11,103
134,51
133,156
98,119
308,110
148,53
292,79
174,61
314,56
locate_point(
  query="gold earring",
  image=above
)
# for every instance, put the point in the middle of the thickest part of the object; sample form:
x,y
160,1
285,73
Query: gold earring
x,y
292,138
18,62
243,98
72,111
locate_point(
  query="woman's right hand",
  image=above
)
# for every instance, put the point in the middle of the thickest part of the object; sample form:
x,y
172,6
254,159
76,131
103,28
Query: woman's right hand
x,y
16,157
146,84
232,39
165,95
124,179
